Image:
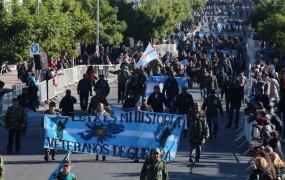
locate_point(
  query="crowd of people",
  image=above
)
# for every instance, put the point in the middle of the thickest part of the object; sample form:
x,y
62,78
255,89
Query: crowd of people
x,y
219,75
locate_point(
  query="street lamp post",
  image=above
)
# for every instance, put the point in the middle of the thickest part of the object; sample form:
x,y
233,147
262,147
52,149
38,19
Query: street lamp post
x,y
97,28
38,8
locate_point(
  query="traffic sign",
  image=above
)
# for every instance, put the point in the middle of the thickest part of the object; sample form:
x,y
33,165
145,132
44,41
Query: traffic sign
x,y
34,49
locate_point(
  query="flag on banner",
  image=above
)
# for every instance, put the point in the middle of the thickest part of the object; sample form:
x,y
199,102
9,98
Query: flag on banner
x,y
58,167
119,110
126,135
159,80
33,117
148,55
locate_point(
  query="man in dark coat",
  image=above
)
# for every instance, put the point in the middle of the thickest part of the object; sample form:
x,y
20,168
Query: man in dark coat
x,y
156,100
15,121
67,104
102,85
84,87
235,98
184,102
171,89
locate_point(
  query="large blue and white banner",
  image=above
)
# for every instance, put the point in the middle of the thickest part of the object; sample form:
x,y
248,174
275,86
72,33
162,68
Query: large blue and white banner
x,y
159,80
33,117
127,135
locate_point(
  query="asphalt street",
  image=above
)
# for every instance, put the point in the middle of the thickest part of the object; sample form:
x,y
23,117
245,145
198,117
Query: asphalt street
x,y
219,160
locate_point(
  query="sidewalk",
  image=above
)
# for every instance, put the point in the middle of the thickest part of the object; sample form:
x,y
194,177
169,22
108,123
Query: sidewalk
x,y
10,79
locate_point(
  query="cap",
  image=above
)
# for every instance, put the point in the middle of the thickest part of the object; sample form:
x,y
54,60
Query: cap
x,y
184,88
156,150
68,91
144,98
66,163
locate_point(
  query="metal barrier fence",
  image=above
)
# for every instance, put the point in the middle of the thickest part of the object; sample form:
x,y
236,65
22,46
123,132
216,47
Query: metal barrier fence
x,y
54,87
165,47
248,130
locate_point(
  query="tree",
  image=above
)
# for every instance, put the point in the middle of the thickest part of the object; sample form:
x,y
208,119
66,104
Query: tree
x,y
268,19
110,27
153,18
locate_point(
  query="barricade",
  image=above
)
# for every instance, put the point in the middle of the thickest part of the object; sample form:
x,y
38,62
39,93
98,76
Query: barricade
x,y
51,89
42,91
68,74
54,87
61,82
165,47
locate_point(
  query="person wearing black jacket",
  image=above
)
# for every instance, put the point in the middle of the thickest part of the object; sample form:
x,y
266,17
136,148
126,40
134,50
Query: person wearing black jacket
x,y
235,97
84,87
171,89
184,102
67,104
156,100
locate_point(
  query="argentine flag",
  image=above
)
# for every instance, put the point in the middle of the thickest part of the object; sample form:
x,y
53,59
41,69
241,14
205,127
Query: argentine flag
x,y
148,55
58,167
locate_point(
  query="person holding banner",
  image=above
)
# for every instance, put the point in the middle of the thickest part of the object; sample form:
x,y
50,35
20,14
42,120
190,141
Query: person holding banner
x,y
50,111
100,111
171,89
154,168
65,173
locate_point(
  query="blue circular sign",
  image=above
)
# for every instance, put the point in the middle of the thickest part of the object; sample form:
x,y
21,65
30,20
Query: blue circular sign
x,y
34,48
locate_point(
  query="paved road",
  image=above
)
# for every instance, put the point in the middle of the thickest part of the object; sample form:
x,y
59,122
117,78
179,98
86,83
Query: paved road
x,y
219,160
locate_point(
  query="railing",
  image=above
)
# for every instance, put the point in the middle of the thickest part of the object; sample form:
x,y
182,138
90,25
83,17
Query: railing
x,y
165,47
53,87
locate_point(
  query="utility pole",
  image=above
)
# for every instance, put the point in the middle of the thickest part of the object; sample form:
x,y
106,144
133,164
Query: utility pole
x,y
38,8
97,28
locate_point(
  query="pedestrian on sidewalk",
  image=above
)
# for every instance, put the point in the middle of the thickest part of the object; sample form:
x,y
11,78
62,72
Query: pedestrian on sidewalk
x,y
15,120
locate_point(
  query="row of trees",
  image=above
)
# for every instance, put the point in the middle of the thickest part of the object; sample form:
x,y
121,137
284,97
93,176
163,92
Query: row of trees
x,y
62,23
268,19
